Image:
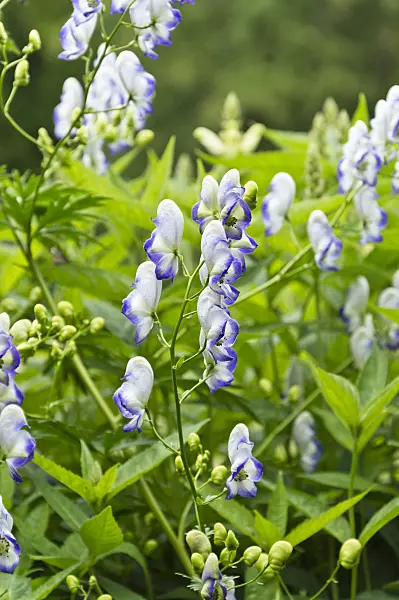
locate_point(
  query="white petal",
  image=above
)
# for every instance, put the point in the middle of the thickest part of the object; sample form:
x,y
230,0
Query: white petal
x,y
4,322
140,374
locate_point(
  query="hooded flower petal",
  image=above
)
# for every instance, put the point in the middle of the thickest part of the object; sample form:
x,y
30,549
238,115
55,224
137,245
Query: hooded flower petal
x,y
372,216
71,98
361,342
389,298
139,84
154,21
164,244
76,34
245,470
16,445
304,436
132,396
87,7
277,203
326,246
356,303
119,6
9,551
9,391
361,159
208,208
216,253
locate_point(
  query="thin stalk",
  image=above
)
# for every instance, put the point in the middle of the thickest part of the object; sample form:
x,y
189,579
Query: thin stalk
x,y
318,315
286,590
156,509
189,392
352,518
327,583
182,522
160,438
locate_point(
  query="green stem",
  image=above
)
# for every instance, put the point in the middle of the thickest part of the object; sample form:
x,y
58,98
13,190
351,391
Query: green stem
x,y
327,583
352,516
4,3
160,438
286,590
318,316
251,580
12,121
189,392
156,509
182,522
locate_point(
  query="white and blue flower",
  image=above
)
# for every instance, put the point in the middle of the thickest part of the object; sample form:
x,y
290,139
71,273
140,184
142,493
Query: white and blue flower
x,y
361,160
218,256
153,21
215,321
245,469
16,444
140,306
71,99
132,396
356,302
214,585
87,8
9,391
9,548
139,85
119,6
326,246
389,298
163,247
361,342
304,436
372,216
76,34
277,203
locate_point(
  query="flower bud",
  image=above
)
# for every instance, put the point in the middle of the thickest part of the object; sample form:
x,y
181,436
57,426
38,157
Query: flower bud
x,y
252,555
193,441
262,562
20,330
3,34
41,314
179,464
227,556
21,75
70,348
150,546
266,386
349,553
104,597
148,518
35,328
57,323
26,349
34,40
385,478
35,294
73,584
67,333
231,541
82,135
9,305
198,542
219,475
144,137
280,453
251,194
292,449
219,534
199,462
96,324
92,581
65,309
279,554
198,562
56,351
44,139
232,107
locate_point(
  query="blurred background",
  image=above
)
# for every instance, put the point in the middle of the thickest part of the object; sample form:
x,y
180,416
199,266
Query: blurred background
x,y
281,57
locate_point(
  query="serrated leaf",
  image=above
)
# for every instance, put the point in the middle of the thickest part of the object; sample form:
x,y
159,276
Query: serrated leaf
x,y
74,482
373,413
101,534
86,460
373,376
362,112
266,531
381,518
312,526
277,511
52,583
105,485
341,396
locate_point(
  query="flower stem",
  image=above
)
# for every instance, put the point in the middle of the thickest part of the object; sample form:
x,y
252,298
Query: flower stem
x,y
327,583
286,590
160,438
352,519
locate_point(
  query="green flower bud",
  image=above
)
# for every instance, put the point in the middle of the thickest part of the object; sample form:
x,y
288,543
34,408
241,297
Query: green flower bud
x,y
70,348
41,314
67,333
251,194
279,554
44,139
198,563
262,562
96,324
9,305
292,449
26,349
150,546
56,351
73,584
219,474
232,107
65,309
144,137
252,555
179,464
3,34
266,386
82,135
219,534
21,75
148,518
35,328
199,462
92,581
349,553
227,556
294,393
104,597
385,478
280,453
198,542
35,43
20,330
231,541
35,294
57,323
193,441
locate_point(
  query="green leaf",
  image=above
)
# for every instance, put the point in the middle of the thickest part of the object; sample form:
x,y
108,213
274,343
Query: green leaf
x,y
6,485
277,511
45,590
373,376
266,531
266,591
340,394
373,413
390,313
102,533
144,462
159,176
74,482
386,514
362,112
104,486
238,515
336,428
118,591
20,588
342,481
288,140
312,526
132,551
86,461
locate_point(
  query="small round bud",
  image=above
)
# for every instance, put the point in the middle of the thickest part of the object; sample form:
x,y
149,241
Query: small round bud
x,y
193,441
9,305
385,477
179,464
92,581
252,555
198,562
35,328
57,323
251,194
199,462
3,34
96,324
44,139
266,386
294,393
280,453
144,137
231,541
292,449
199,542
73,584
20,330
262,562
65,309
70,348
104,597
21,75
148,518
82,135
26,349
41,314
349,553
279,554
207,455
56,351
232,107
150,546
219,534
34,40
219,475
67,333
35,294
227,556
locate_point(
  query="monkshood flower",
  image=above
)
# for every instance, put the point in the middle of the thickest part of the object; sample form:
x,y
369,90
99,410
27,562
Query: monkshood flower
x,y
389,298
356,303
361,342
163,247
277,203
304,436
372,216
215,320
9,391
214,585
9,355
228,292
219,257
71,99
9,548
219,370
88,7
76,34
326,246
139,85
141,304
361,160
16,444
153,21
245,469
132,396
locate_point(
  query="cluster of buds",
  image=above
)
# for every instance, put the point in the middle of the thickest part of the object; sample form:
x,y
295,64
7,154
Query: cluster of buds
x,y
271,564
75,586
21,73
201,464
228,539
330,129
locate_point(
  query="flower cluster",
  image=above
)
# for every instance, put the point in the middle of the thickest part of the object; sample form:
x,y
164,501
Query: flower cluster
x,y
9,548
304,436
117,104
